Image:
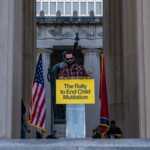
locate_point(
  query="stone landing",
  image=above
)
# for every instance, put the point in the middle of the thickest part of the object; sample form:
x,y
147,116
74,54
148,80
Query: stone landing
x,y
73,144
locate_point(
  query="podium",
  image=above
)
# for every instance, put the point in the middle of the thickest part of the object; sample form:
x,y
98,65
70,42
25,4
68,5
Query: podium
x,y
75,93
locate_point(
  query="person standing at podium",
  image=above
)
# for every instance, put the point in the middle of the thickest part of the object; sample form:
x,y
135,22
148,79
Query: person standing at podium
x,y
75,114
72,70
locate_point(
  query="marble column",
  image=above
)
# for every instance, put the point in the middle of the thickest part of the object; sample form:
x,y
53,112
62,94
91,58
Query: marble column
x,y
130,69
113,36
143,54
126,49
46,56
11,67
29,55
92,61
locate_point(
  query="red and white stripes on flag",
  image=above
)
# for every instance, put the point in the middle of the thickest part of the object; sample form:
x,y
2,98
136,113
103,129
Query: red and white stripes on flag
x,y
37,114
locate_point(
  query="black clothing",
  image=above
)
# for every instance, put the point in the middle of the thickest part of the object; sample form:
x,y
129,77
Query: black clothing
x,y
23,111
115,131
51,137
96,133
38,135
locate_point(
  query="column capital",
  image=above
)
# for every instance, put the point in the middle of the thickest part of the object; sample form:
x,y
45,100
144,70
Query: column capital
x,y
91,50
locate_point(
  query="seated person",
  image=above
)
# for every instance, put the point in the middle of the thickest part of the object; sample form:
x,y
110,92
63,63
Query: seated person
x,y
114,132
52,136
96,133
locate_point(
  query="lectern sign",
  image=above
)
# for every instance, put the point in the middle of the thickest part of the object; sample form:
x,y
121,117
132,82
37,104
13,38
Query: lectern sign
x,y
75,91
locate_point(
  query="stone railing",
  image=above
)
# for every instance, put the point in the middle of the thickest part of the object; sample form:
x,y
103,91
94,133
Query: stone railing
x,y
69,20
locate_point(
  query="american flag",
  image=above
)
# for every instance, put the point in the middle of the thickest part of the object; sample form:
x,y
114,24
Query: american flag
x,y
37,112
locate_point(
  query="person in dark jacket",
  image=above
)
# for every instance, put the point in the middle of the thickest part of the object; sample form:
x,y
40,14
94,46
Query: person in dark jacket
x,y
96,133
23,120
24,126
114,132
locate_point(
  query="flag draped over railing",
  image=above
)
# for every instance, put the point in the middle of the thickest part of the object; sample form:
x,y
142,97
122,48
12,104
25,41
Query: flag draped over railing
x,y
104,115
37,113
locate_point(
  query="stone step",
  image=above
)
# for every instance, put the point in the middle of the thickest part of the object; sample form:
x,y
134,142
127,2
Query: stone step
x,y
75,144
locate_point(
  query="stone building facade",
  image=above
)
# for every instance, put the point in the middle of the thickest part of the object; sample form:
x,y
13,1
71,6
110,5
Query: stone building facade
x,y
54,36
